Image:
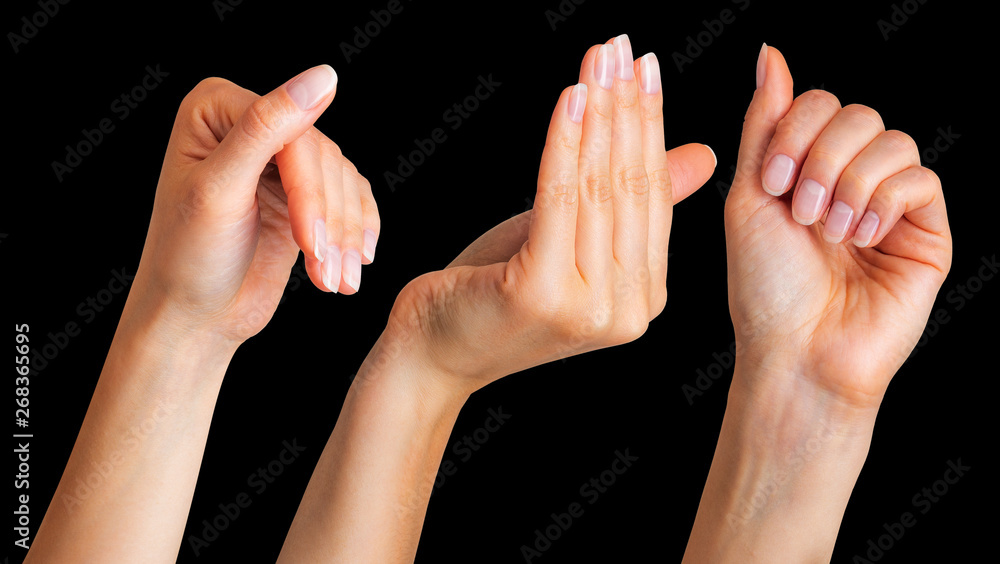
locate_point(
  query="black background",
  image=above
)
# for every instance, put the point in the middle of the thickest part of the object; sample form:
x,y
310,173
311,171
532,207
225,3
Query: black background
x,y
62,240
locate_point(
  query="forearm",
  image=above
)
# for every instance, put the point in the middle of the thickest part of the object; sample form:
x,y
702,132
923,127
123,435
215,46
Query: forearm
x,y
787,459
368,495
127,488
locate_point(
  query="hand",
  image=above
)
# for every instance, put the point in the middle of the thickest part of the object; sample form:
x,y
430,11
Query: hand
x,y
838,242
247,182
586,268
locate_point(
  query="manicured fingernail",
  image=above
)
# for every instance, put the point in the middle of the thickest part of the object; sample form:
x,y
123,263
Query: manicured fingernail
x,y
807,201
866,229
623,58
837,222
762,65
310,87
319,239
715,160
370,241
778,174
577,103
604,67
649,73
331,268
352,269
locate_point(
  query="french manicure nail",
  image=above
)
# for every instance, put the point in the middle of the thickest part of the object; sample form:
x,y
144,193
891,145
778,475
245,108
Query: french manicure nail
x,y
715,160
837,222
577,103
310,87
778,174
331,268
623,58
370,240
319,239
807,201
762,65
649,73
604,67
866,229
352,269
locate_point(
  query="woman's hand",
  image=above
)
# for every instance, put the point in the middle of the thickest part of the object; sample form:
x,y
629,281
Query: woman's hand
x,y
247,182
838,241
587,267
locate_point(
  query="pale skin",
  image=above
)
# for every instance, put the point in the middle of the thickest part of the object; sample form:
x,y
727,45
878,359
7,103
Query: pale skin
x,y
825,309
825,312
585,269
223,237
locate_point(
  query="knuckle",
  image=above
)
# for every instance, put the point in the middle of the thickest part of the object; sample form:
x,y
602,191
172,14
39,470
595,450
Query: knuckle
x,y
597,187
559,188
660,185
819,100
902,142
260,119
633,179
564,142
626,102
854,178
658,302
864,114
601,111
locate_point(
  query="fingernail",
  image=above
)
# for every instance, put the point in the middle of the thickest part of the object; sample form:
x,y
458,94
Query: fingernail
x,y
577,103
319,239
807,201
762,65
866,229
649,73
310,87
715,160
623,58
837,222
331,268
370,240
352,269
604,67
778,174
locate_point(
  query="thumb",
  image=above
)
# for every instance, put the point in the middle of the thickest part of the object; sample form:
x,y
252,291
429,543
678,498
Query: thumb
x,y
497,244
771,101
690,167
268,124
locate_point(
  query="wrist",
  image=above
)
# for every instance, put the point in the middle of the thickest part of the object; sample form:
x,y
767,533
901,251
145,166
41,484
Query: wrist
x,y
171,345
788,456
400,368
